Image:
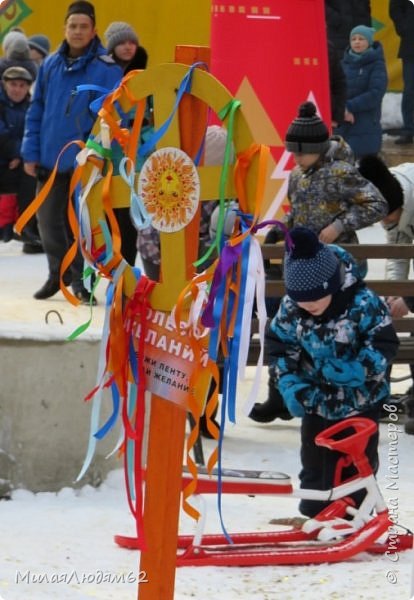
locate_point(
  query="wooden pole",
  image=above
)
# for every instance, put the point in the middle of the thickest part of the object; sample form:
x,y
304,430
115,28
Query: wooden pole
x,y
167,423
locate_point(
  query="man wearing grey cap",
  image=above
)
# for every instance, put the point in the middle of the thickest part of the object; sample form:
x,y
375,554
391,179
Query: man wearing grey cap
x,y
14,102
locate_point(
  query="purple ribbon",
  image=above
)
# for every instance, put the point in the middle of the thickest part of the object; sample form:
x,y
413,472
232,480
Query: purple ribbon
x,y
288,240
228,257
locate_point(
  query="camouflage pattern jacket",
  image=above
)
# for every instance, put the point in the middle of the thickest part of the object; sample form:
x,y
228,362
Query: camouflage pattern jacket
x,y
333,365
334,192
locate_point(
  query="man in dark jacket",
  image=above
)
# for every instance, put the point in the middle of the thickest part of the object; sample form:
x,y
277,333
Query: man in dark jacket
x,y
14,102
402,14
343,15
337,86
59,115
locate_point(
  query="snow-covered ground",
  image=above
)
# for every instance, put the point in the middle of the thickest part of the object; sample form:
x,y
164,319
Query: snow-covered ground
x,y
60,545
391,117
68,536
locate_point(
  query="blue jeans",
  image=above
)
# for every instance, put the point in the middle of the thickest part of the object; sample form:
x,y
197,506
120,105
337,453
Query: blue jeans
x,y
407,103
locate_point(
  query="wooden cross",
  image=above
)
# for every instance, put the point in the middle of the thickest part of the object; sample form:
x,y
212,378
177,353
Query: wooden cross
x,y
178,252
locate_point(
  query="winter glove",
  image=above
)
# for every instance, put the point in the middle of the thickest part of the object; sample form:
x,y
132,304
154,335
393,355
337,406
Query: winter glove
x,y
343,372
291,386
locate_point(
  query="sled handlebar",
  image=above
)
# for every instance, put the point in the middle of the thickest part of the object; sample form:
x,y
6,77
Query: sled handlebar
x,y
357,431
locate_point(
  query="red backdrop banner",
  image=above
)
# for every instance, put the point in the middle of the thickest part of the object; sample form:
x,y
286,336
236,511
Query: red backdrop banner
x,y
272,55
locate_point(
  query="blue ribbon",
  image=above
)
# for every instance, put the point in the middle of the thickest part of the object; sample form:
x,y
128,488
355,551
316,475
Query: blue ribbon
x,y
96,105
235,342
139,214
185,87
101,433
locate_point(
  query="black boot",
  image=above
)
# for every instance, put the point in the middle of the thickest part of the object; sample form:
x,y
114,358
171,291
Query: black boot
x,y
84,295
51,287
404,140
273,408
33,247
8,232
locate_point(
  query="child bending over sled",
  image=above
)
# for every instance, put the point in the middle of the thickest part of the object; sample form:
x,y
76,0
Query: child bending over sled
x,y
330,344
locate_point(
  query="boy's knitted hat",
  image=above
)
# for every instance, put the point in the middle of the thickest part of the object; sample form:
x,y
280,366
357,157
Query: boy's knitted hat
x,y
119,32
365,31
82,7
311,269
17,73
307,134
40,43
375,170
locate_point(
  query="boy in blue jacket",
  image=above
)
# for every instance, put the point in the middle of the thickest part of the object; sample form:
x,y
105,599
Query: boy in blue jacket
x,y
330,345
58,115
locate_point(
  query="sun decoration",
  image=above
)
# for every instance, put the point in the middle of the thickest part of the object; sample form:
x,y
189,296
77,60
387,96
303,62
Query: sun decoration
x,y
170,188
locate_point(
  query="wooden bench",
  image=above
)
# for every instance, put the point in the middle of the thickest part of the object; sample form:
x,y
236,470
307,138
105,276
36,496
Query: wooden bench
x,y
403,326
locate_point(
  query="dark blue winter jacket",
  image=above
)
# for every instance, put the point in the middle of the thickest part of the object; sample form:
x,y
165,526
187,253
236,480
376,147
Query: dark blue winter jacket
x,y
366,80
12,115
333,365
58,113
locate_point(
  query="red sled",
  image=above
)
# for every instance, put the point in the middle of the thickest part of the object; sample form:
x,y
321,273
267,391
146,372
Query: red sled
x,y
337,533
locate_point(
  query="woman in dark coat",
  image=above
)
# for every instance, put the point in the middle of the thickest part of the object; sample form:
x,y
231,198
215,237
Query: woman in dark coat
x,y
366,81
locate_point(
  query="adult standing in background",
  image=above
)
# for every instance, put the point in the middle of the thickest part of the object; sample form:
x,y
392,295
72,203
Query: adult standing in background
x,y
14,102
123,46
342,16
337,86
402,14
17,54
58,115
366,84
39,47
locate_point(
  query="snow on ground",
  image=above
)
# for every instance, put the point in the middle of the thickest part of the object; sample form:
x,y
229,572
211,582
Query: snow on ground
x,y
60,546
68,536
391,116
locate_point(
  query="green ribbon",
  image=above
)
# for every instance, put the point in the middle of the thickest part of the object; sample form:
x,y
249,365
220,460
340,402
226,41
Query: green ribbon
x,y
104,152
227,112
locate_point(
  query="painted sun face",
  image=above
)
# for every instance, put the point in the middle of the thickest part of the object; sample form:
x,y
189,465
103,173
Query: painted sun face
x,y
170,188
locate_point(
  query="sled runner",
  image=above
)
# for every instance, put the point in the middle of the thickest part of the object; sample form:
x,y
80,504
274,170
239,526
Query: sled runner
x,y
337,533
